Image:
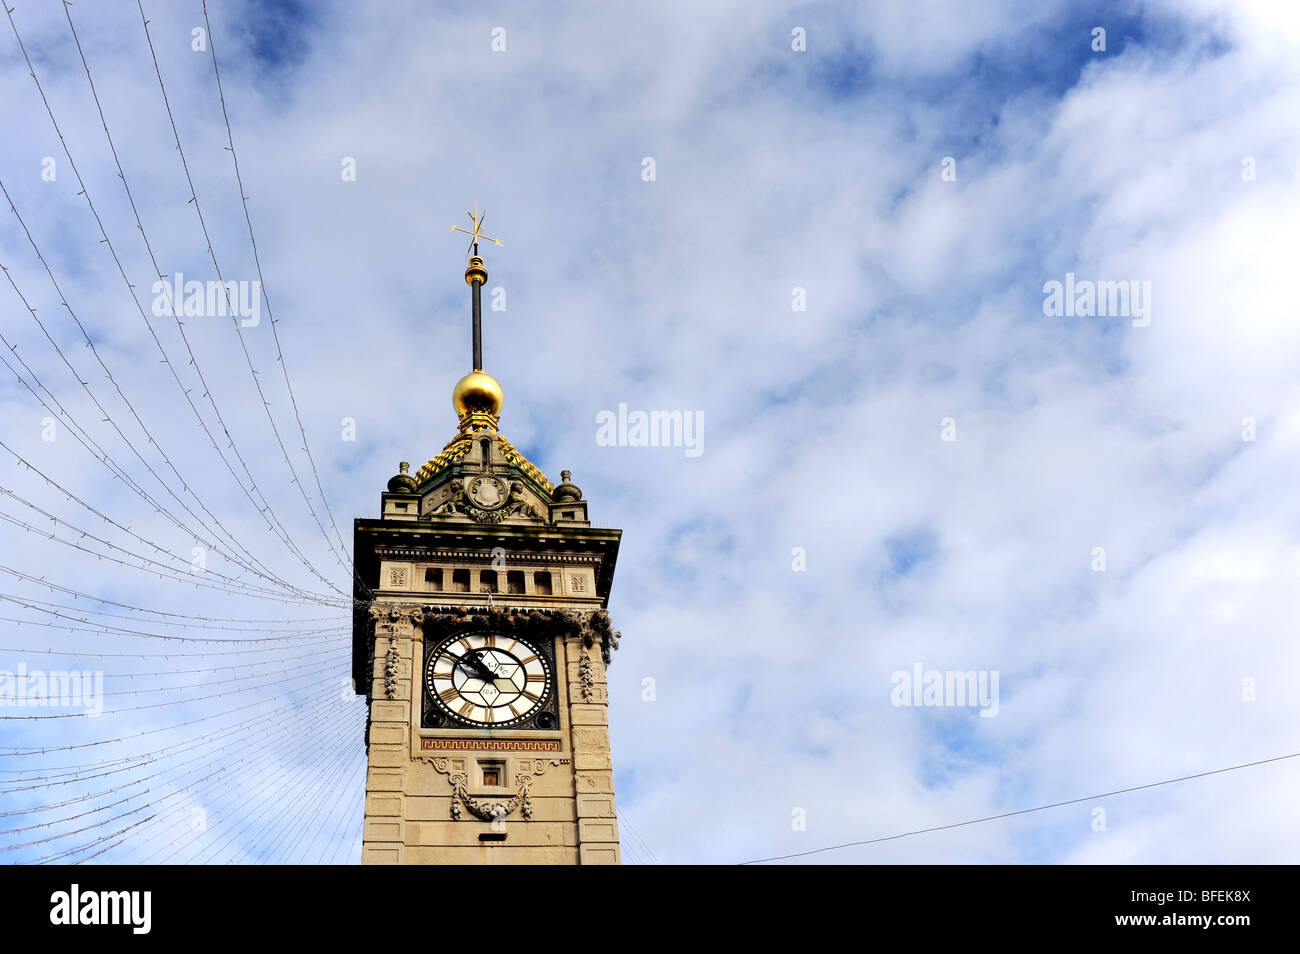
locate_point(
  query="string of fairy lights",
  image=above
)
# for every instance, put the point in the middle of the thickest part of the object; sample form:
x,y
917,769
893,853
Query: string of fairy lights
x,y
237,741
217,736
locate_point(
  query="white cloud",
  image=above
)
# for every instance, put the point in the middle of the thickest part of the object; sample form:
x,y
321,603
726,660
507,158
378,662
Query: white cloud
x,y
822,427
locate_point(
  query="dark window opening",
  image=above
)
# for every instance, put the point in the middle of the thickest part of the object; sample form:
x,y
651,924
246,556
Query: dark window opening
x,y
515,581
542,582
460,581
433,577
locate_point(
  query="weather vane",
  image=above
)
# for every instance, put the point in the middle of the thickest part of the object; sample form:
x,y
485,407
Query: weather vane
x,y
476,277
477,232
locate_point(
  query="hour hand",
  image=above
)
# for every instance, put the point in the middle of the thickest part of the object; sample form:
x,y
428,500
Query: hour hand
x,y
475,665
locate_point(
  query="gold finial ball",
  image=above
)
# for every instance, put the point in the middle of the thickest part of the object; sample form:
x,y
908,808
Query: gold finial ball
x,y
476,272
477,391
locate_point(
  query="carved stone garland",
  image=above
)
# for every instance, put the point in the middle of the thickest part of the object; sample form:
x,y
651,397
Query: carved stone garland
x,y
585,678
596,627
386,617
390,668
491,811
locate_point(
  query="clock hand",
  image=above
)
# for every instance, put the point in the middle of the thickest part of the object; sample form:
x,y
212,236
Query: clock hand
x,y
497,679
476,665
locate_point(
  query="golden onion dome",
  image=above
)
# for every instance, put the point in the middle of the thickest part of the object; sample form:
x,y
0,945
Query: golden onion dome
x,y
477,391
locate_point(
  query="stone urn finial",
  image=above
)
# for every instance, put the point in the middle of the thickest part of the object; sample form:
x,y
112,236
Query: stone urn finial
x,y
402,482
566,490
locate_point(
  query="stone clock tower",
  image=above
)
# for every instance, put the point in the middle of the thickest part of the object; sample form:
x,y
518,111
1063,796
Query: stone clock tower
x,y
480,642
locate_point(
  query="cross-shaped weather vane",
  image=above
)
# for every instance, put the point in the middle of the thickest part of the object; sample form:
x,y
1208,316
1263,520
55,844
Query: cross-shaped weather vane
x,y
476,276
477,232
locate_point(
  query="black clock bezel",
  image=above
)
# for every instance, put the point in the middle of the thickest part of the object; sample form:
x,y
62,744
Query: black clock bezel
x,y
543,716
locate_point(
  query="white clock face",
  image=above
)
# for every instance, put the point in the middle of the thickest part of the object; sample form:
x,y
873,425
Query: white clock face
x,y
487,679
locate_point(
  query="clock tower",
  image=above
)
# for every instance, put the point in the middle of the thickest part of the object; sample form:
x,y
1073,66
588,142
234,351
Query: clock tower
x,y
480,641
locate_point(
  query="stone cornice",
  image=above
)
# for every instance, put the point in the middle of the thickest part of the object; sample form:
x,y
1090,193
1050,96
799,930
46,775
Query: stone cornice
x,y
446,555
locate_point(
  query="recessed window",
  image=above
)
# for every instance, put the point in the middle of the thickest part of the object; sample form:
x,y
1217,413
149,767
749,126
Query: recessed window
x,y
515,581
493,773
433,578
487,581
460,581
542,582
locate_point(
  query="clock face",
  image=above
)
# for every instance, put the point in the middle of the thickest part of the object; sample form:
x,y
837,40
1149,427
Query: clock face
x,y
487,679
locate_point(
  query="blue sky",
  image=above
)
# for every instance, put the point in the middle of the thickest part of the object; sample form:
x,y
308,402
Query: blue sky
x,y
776,170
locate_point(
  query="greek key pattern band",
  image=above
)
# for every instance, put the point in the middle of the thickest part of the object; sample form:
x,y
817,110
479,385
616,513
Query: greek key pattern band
x,y
491,745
